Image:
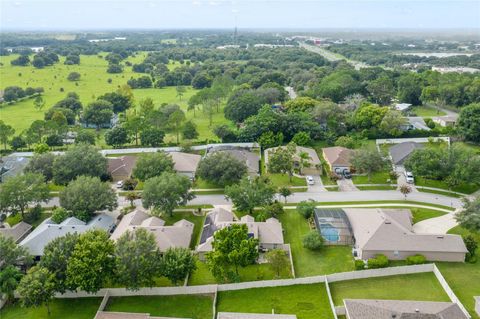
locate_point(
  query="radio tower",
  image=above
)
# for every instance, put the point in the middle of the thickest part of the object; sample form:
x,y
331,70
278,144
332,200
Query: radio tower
x,y
235,31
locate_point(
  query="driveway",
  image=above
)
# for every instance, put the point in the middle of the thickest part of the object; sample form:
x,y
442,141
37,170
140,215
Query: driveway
x,y
438,225
346,185
401,180
317,187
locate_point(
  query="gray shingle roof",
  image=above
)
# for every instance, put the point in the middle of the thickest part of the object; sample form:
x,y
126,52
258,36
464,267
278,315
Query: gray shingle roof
x,y
400,152
16,232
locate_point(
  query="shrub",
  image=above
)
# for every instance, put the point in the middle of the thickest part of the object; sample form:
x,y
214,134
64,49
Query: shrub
x,y
359,264
59,215
129,184
380,261
274,209
313,240
306,208
33,214
416,260
333,177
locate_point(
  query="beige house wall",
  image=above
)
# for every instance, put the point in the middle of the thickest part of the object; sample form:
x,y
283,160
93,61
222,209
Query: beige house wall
x,y
402,255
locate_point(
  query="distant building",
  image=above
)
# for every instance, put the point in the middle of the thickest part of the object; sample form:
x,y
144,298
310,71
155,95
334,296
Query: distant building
x,y
37,49
11,166
17,232
445,121
415,123
400,152
402,106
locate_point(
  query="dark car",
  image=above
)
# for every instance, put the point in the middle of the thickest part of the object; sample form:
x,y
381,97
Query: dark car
x,y
347,174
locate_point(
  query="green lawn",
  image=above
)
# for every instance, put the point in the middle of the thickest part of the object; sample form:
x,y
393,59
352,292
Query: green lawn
x,y
13,220
305,301
434,191
399,202
427,111
203,184
423,286
379,188
181,306
80,308
420,214
280,180
330,259
463,188
376,178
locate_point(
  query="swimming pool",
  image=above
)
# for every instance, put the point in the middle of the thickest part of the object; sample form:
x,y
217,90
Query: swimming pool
x,y
329,232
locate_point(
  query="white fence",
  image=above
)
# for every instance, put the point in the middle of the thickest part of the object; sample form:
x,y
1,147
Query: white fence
x,y
330,299
449,290
413,139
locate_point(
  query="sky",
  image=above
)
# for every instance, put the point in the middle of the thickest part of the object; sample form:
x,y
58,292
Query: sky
x,y
38,15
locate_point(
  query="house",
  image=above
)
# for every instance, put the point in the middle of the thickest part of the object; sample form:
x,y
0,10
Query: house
x,y
17,232
401,309
390,232
251,159
120,168
402,106
11,166
445,121
415,123
48,230
237,315
177,235
269,233
338,158
314,164
400,152
185,163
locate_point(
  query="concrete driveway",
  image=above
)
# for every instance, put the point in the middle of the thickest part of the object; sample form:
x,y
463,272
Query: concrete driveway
x,y
401,180
346,185
318,186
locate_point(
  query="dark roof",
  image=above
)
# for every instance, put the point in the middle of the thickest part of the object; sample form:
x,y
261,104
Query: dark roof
x,y
400,152
12,165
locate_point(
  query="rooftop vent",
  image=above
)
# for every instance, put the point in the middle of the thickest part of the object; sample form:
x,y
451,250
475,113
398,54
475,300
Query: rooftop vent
x,y
417,310
440,237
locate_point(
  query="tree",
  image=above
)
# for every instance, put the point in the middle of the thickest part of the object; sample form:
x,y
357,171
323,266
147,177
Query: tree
x,y
469,122
313,240
59,214
152,137
20,191
5,132
269,139
369,116
368,161
175,121
79,160
180,91
74,76
56,256
243,104
306,208
405,190
166,192
43,164
71,102
392,123
92,262
250,193
278,260
285,192
116,136
98,113
135,125
121,100
137,259
177,264
40,148
149,165
17,143
281,160
232,247
221,168
301,138
225,133
300,104
472,246
86,195
85,137
469,217
189,131
303,161
132,197
410,88
201,80
39,103
13,254
37,288
382,90
9,279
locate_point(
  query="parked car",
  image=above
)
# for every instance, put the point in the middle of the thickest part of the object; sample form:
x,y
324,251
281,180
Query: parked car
x,y
347,174
310,180
409,177
119,184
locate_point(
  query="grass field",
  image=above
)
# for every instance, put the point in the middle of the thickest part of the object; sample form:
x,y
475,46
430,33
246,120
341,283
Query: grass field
x,y
306,301
420,214
81,308
330,259
423,286
427,111
181,306
376,178
92,84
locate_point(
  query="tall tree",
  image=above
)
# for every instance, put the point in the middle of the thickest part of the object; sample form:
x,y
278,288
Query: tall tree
x,y
166,192
43,164
250,193
116,136
150,165
135,125
20,191
13,254
5,132
278,260
221,168
392,123
175,121
281,160
177,264
37,288
469,217
368,161
137,259
10,277
98,113
92,262
39,103
180,91
469,122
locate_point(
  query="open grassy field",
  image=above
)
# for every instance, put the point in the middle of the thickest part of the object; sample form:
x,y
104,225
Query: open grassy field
x,y
423,286
92,84
181,306
81,308
306,301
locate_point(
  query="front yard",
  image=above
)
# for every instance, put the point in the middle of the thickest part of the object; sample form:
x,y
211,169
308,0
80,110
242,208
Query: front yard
x,y
376,178
306,301
463,188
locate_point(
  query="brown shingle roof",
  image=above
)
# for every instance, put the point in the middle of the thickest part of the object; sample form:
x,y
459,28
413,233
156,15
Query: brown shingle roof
x,y
338,156
121,166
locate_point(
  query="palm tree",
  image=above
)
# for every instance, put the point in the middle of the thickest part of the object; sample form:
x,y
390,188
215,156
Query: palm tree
x,y
304,160
405,190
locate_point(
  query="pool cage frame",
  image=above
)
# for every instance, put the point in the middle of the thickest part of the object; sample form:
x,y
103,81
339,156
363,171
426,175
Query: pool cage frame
x,y
338,219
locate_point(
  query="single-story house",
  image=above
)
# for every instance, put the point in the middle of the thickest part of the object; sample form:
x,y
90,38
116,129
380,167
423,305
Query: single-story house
x,y
401,309
251,159
48,230
445,120
177,235
400,152
390,232
415,123
402,106
11,166
17,232
185,163
120,168
314,164
238,315
338,158
269,233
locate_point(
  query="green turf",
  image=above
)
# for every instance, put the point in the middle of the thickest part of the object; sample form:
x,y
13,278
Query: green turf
x,y
305,301
280,180
15,219
180,306
423,286
376,178
80,308
463,188
434,191
330,259
427,111
420,214
376,187
399,202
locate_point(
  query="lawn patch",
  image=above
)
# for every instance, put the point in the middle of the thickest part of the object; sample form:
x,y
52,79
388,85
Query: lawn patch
x,y
420,214
464,188
376,178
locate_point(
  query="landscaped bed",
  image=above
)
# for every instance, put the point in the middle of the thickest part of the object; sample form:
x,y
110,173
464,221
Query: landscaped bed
x,y
180,306
423,286
305,301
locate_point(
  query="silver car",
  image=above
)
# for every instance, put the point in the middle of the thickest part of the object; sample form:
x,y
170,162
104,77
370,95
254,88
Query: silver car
x,y
409,177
